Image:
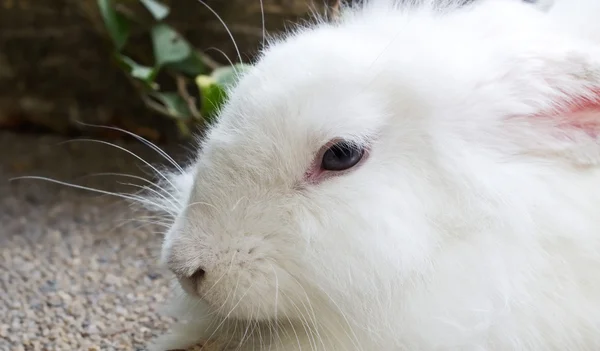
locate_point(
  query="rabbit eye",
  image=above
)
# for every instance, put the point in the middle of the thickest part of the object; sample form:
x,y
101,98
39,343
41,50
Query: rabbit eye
x,y
341,156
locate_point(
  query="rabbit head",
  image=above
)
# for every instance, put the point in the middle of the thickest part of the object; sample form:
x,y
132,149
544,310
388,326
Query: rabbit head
x,y
358,158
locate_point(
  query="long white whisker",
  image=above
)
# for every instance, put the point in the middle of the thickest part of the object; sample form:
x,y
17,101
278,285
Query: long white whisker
x,y
261,340
232,334
226,317
246,332
223,275
124,196
353,337
200,203
117,174
291,324
310,310
222,53
276,318
237,50
147,219
141,139
309,331
127,151
262,17
135,177
162,196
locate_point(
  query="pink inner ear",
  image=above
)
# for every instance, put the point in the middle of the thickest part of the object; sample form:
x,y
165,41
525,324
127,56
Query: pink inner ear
x,y
588,121
582,113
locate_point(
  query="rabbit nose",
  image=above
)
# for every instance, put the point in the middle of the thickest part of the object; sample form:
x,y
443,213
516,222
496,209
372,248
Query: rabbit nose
x,y
198,274
190,283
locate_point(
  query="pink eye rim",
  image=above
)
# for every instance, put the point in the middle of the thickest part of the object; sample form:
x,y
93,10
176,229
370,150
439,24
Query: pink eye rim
x,y
316,173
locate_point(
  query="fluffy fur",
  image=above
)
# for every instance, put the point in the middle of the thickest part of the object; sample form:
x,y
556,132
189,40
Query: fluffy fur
x,y
473,224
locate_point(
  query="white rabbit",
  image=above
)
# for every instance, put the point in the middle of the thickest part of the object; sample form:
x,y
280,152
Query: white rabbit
x,y
405,178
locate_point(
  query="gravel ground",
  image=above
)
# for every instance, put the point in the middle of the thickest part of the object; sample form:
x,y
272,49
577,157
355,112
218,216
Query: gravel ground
x,y
77,271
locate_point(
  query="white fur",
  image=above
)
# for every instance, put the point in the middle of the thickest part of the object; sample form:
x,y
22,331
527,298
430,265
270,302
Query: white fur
x,y
472,225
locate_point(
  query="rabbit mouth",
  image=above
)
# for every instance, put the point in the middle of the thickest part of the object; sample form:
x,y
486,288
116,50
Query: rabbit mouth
x,y
260,291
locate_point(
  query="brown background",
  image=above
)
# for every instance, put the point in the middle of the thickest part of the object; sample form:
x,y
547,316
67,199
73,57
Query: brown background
x,y
55,67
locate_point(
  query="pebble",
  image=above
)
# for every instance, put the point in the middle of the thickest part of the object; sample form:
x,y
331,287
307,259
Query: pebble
x,y
71,270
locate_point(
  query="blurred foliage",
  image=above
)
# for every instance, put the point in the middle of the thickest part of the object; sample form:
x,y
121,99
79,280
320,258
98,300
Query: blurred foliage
x,y
173,55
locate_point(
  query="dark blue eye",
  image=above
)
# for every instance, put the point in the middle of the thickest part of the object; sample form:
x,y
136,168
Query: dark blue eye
x,y
341,156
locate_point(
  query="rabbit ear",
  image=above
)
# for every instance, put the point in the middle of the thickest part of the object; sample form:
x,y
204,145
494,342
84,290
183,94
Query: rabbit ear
x,y
576,113
566,79
569,125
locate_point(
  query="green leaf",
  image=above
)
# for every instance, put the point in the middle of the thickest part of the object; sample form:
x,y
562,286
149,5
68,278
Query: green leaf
x,y
192,66
214,87
169,46
184,130
157,9
212,96
144,73
136,70
117,25
227,76
174,103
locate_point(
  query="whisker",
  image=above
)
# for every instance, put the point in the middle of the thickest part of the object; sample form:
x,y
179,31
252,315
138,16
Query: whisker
x,y
124,196
223,275
127,151
353,337
276,317
226,317
145,220
255,327
134,177
162,196
151,223
231,335
262,17
310,310
200,203
291,324
261,340
117,174
309,331
237,50
141,139
222,53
